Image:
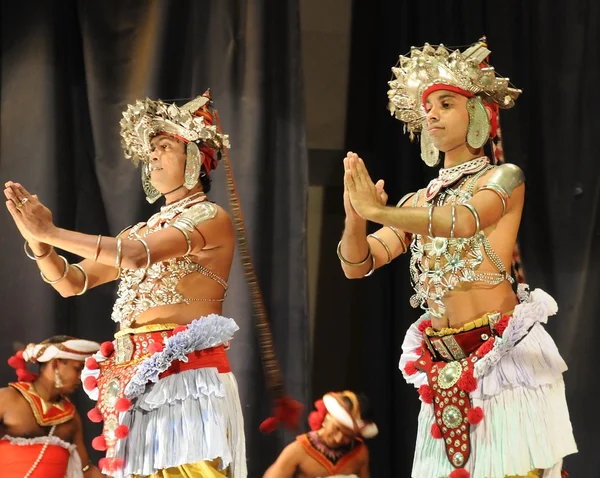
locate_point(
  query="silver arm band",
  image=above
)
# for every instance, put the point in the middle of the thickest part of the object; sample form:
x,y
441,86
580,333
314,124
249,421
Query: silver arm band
x,y
145,244
66,271
372,266
85,279
400,238
475,215
429,225
185,233
385,246
500,192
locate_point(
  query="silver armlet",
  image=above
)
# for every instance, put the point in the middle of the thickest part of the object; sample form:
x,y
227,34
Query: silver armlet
x,y
85,279
500,192
119,255
372,266
475,215
503,181
186,234
385,246
66,271
400,238
145,244
32,256
348,263
429,220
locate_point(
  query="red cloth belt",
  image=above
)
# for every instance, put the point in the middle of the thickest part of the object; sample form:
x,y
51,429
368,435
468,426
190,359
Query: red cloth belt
x,y
16,460
207,358
457,346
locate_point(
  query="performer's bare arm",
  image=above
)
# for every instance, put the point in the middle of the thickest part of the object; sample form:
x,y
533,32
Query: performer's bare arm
x,y
34,221
359,252
364,469
91,471
485,209
287,464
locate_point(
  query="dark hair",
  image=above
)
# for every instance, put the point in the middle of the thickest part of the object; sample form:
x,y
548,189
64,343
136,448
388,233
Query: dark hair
x,y
205,180
363,403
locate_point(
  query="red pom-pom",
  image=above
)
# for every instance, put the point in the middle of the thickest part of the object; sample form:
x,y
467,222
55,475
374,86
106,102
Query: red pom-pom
x,y
475,415
121,431
24,375
90,383
486,347
107,348
123,404
99,443
269,425
91,363
155,347
426,394
103,464
436,432
410,368
500,327
460,473
19,354
94,415
315,420
423,326
179,328
467,382
17,362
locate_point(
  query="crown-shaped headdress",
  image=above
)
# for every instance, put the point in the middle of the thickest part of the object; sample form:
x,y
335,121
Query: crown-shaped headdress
x,y
422,68
191,122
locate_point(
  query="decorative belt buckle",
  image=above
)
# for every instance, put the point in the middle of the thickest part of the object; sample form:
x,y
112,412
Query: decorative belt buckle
x,y
124,349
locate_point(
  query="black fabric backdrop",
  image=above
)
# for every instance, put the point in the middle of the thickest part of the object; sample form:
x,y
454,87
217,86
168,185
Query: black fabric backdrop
x,y
549,52
69,68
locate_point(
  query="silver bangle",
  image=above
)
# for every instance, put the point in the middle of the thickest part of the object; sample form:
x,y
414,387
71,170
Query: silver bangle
x,y
429,225
385,246
119,256
400,238
372,265
475,215
32,256
66,271
145,244
85,279
188,239
348,263
453,221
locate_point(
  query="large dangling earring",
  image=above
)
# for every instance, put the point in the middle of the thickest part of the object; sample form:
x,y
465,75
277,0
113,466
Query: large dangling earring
x,y
152,194
479,123
192,165
429,153
58,383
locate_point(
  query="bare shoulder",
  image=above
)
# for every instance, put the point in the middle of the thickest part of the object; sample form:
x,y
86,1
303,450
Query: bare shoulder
x,y
9,393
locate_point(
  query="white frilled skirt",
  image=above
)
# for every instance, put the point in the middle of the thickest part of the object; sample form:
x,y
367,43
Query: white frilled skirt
x,y
520,388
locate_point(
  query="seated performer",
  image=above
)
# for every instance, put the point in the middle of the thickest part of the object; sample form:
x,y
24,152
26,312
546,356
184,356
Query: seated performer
x,y
165,391
334,447
42,435
489,376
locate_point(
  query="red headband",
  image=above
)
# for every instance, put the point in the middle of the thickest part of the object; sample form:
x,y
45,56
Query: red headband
x,y
468,94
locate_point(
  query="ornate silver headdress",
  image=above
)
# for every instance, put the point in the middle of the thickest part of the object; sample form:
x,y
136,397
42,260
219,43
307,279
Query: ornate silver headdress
x,y
430,65
191,122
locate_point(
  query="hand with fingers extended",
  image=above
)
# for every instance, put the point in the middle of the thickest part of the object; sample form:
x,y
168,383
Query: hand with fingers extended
x,y
361,195
32,218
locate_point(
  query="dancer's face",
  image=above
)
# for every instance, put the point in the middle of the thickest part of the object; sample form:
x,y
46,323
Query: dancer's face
x,y
167,163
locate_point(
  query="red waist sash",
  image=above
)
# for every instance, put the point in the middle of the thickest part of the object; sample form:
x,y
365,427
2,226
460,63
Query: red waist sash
x,y
17,460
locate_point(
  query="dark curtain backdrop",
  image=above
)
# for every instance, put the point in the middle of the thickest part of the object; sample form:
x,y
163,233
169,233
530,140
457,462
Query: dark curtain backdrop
x,y
68,70
550,51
